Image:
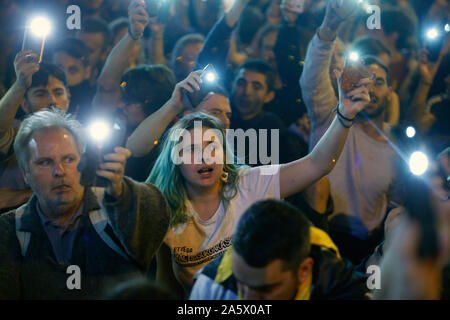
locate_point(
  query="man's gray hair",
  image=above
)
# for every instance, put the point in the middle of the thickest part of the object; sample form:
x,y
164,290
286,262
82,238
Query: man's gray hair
x,y
45,119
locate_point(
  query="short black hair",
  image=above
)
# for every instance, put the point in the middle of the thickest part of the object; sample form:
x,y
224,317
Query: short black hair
x,y
46,70
75,48
260,66
368,45
151,85
217,88
94,25
272,229
369,59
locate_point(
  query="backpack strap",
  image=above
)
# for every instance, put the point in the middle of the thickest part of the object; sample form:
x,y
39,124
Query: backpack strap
x,y
22,236
100,223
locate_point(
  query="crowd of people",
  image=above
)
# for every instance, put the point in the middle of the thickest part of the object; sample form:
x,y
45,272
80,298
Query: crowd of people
x,y
291,185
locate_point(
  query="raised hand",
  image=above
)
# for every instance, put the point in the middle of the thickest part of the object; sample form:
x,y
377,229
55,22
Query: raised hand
x,y
352,102
138,18
25,65
190,84
113,169
337,11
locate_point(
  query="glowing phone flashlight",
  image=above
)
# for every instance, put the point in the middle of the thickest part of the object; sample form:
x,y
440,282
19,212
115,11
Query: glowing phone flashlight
x,y
40,27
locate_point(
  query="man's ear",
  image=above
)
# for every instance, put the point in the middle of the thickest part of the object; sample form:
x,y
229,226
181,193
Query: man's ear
x,y
25,106
269,97
305,269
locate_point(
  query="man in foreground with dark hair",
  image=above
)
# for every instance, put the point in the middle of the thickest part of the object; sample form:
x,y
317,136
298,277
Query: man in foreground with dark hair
x,y
277,255
253,87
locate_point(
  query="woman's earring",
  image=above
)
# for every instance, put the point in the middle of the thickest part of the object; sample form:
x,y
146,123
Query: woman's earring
x,y
224,177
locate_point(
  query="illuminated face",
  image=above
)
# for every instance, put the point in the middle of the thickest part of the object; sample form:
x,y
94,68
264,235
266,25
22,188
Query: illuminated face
x,y
378,91
53,94
250,93
208,150
52,172
272,282
76,71
218,106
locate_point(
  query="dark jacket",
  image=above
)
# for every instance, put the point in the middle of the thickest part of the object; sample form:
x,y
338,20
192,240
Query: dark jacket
x,y
138,222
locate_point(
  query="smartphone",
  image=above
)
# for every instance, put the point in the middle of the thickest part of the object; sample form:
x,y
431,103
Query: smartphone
x,y
35,44
354,71
209,82
95,151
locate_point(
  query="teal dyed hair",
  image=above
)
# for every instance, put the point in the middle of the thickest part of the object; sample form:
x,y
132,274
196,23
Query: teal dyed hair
x,y
166,175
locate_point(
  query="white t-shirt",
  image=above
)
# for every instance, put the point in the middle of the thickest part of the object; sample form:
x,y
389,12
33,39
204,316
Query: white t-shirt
x,y
196,243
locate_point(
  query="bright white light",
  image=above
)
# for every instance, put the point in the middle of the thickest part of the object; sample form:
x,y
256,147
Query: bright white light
x,y
40,26
447,28
432,34
354,56
418,163
210,76
99,131
410,132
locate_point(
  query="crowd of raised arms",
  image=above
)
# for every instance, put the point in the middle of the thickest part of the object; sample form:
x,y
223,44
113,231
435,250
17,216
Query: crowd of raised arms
x,y
225,150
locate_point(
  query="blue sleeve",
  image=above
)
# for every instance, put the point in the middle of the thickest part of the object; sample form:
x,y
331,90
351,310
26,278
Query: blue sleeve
x,y
216,47
206,289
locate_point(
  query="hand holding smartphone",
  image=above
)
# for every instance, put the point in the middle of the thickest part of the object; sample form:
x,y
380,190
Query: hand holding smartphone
x,y
209,81
96,149
354,71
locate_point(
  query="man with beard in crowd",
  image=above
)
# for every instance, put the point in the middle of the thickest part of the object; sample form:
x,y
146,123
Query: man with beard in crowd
x,y
363,179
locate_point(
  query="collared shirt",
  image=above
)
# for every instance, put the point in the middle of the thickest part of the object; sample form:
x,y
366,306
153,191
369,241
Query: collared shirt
x,y
60,237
